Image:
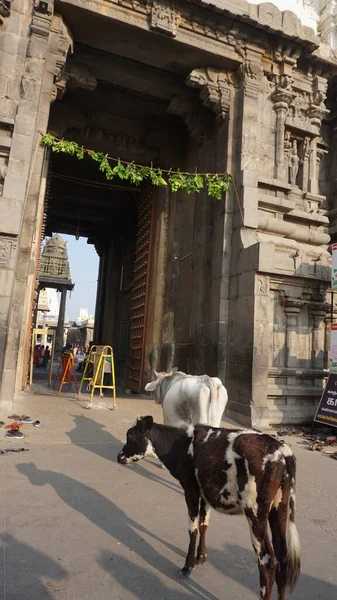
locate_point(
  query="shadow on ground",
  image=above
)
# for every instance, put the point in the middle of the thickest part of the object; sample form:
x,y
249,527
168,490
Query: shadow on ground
x,y
108,447
239,564
105,514
42,574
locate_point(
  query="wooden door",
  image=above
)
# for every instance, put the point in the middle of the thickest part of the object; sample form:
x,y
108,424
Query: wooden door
x,y
140,289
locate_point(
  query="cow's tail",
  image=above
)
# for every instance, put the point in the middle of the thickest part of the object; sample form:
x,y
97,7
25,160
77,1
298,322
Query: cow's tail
x,y
293,540
218,401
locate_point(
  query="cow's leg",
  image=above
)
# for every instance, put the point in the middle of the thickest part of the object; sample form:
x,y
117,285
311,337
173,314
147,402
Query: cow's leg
x,y
192,498
265,554
204,514
278,527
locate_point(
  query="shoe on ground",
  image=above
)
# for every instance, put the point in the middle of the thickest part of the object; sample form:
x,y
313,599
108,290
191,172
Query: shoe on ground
x,y
16,434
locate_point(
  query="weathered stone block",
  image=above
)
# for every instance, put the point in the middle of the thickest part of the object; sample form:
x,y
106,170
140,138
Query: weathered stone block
x,y
10,211
3,86
269,15
7,108
37,48
21,147
291,24
6,281
13,44
7,389
29,89
17,168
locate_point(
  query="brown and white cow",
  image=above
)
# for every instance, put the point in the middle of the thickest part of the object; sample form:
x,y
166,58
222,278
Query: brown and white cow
x,y
189,399
234,472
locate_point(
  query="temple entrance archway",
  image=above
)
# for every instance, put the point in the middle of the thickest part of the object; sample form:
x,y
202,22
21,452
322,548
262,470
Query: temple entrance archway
x,y
117,220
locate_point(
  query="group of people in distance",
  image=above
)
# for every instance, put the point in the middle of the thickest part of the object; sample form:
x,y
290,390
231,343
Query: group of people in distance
x,y
41,356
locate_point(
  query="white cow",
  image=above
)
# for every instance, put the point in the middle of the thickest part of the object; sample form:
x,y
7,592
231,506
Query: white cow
x,y
189,399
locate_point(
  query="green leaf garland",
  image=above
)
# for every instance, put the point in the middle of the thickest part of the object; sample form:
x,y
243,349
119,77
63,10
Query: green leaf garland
x,y
216,184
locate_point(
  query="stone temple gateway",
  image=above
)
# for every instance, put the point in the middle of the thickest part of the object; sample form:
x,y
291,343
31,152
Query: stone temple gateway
x,y
239,288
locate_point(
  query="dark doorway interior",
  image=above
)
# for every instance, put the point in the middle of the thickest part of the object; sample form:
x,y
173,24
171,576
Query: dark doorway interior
x,y
81,202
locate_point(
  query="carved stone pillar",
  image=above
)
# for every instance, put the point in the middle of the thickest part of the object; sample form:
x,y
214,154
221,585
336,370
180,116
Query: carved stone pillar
x,y
282,97
60,323
327,340
292,310
318,341
306,158
313,182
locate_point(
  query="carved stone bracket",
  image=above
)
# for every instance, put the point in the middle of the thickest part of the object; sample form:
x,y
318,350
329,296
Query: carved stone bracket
x,y
42,14
60,45
252,74
164,18
215,89
77,75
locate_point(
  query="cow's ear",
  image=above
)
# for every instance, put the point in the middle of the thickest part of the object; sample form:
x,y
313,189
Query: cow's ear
x,y
150,387
144,424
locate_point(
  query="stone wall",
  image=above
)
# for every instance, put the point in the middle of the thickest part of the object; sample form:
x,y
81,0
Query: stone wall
x,y
33,48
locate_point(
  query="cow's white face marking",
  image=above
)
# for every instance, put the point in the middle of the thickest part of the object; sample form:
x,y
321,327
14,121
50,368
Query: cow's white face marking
x,y
263,591
218,433
150,450
133,458
190,449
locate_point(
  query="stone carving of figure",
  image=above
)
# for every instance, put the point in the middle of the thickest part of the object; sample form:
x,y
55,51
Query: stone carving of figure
x,y
294,160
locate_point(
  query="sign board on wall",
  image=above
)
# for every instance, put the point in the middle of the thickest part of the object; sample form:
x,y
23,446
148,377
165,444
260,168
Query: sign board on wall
x,y
327,408
334,268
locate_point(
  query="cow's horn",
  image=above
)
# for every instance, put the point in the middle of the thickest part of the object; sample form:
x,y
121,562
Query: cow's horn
x,y
155,373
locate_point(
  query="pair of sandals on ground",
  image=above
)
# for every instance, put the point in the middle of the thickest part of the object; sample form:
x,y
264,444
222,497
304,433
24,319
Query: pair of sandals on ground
x,y
13,430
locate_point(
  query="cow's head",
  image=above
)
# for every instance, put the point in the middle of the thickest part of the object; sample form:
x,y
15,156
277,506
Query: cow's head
x,y
154,386
137,444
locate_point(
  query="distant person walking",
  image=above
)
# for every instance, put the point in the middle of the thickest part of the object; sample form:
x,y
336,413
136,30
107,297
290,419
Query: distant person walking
x,y
37,355
46,357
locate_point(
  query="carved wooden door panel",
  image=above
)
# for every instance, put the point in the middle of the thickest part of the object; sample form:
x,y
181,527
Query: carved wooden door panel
x,y
140,285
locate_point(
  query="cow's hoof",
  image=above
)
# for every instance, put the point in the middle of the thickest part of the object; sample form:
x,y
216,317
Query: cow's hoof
x,y
185,571
200,560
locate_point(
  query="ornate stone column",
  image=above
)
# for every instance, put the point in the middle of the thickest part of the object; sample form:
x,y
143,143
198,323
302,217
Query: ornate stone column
x,y
318,335
60,323
306,157
282,97
292,310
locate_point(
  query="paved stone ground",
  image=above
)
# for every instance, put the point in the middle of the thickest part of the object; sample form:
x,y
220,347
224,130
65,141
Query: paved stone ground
x,y
78,526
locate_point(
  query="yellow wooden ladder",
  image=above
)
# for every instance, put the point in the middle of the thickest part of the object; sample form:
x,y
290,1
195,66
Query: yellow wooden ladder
x,y
101,359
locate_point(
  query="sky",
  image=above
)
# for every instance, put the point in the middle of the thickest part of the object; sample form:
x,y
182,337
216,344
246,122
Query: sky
x,y
83,261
